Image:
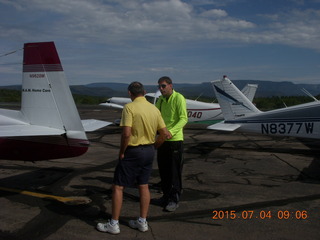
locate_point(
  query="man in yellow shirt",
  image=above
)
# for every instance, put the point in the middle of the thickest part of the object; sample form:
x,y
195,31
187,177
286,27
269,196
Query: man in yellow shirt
x,y
140,122
173,108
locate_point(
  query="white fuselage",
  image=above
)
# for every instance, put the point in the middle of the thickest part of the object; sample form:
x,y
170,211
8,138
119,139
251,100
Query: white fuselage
x,y
197,111
202,111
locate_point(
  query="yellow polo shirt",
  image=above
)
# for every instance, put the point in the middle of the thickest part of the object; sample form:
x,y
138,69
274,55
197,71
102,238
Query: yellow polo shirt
x,y
144,119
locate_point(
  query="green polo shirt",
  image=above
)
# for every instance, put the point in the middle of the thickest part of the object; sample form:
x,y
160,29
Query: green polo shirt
x,y
174,114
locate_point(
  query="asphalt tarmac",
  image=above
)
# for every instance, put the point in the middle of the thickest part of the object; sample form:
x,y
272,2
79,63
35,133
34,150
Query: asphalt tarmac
x,y
236,186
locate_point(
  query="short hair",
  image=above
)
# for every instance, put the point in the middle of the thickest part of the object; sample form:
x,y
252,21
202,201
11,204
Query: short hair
x,y
166,79
136,89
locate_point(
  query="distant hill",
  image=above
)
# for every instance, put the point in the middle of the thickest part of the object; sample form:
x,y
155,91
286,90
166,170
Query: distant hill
x,y
269,88
265,89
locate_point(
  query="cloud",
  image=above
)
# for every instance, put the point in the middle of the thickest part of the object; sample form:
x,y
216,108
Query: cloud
x,y
214,13
124,21
145,37
295,28
159,22
163,69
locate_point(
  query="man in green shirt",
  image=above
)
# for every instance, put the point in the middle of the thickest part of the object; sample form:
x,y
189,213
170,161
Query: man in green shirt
x,y
173,108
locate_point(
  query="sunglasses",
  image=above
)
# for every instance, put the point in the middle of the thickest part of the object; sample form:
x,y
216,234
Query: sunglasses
x,y
162,86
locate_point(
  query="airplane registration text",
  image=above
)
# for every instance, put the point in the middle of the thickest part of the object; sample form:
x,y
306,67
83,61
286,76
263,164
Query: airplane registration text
x,y
192,114
37,75
287,128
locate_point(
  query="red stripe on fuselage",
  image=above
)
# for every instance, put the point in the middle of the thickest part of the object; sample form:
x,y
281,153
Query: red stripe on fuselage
x,y
42,68
208,109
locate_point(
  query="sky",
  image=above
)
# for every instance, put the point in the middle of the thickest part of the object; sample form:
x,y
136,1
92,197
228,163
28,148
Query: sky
x,y
192,41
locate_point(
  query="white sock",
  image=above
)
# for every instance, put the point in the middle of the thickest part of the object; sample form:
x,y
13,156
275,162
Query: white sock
x,y
142,220
114,222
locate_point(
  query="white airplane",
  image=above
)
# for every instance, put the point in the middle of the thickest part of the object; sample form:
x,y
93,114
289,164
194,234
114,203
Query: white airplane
x,y
241,115
197,110
48,125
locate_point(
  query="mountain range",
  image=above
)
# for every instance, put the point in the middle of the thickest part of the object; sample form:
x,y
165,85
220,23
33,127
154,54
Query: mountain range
x,y
204,89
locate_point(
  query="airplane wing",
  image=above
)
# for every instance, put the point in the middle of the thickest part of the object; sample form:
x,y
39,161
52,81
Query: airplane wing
x,y
28,130
221,126
90,125
111,105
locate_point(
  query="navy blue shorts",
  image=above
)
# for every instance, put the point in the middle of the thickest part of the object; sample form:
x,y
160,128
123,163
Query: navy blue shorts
x,y
135,167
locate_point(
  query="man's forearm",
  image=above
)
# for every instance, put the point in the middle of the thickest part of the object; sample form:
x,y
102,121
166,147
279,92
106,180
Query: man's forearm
x,y
125,137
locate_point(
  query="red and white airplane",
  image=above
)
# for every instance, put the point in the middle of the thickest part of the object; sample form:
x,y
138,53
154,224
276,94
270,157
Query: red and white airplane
x,y
48,126
197,110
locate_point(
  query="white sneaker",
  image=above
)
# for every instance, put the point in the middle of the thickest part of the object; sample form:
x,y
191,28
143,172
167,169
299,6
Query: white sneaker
x,y
141,226
107,227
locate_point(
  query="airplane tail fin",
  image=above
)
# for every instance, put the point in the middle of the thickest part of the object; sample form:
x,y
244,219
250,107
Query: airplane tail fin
x,y
250,91
46,96
156,96
233,102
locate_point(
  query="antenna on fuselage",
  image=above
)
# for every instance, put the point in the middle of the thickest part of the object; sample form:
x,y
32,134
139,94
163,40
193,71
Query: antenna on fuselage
x,y
309,94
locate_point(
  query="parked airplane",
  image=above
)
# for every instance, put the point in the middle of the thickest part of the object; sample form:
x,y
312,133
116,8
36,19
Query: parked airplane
x,y
197,110
241,115
119,102
116,102
48,125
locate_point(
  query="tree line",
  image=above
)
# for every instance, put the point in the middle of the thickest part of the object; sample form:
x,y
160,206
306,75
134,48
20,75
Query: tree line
x,y
14,96
262,103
